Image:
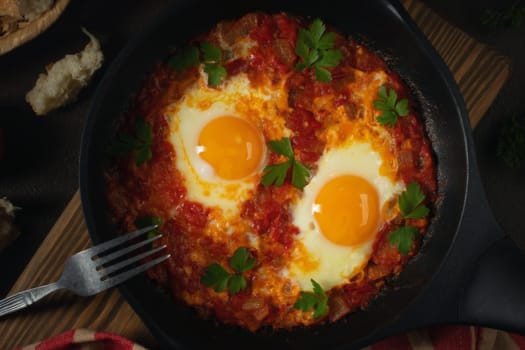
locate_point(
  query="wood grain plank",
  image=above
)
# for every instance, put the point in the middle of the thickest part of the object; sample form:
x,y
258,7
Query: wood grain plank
x,y
480,73
63,311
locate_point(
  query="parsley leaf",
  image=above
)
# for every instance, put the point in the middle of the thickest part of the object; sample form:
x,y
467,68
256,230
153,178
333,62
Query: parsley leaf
x,y
212,58
391,108
211,53
315,47
217,277
511,143
402,107
236,284
316,300
282,146
322,75
188,57
410,202
124,145
140,143
330,58
388,118
327,41
300,174
403,239
411,206
241,261
215,73
143,151
142,155
317,29
306,302
146,221
276,173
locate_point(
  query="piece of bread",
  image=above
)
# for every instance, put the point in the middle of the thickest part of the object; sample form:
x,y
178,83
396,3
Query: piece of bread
x,y
24,9
8,229
10,8
65,78
8,24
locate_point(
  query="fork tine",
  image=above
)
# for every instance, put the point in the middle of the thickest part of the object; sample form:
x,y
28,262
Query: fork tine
x,y
9,304
100,248
129,261
113,281
110,257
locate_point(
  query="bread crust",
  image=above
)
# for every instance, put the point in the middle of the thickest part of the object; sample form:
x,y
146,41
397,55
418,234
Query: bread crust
x,y
10,8
8,230
65,78
24,9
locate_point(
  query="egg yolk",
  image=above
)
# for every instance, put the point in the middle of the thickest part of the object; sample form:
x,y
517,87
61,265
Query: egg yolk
x,y
232,146
347,210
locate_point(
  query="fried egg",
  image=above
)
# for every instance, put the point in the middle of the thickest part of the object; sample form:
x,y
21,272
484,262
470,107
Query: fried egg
x,y
333,193
339,214
219,136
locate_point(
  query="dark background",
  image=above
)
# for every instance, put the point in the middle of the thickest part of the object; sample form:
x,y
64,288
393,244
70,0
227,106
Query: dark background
x,y
39,170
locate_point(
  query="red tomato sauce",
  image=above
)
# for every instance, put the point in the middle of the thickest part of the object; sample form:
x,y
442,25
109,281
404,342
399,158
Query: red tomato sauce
x,y
157,188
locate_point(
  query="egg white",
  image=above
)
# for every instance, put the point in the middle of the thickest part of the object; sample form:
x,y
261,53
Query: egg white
x,y
316,257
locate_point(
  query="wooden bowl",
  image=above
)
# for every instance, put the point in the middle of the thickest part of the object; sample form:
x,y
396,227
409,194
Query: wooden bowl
x,y
30,30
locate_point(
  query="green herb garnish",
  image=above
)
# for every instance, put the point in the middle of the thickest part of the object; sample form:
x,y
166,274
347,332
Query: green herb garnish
x,y
512,17
511,143
146,221
411,206
316,300
215,73
211,58
403,238
217,277
315,47
188,57
276,173
139,143
390,106
241,261
410,202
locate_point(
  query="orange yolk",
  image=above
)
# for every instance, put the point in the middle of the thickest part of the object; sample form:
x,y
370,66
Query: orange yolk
x,y
347,210
232,146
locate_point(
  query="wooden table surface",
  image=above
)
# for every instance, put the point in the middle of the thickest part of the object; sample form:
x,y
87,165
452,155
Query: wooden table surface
x,y
480,74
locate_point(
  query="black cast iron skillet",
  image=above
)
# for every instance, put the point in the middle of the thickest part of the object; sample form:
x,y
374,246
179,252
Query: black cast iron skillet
x,y
466,272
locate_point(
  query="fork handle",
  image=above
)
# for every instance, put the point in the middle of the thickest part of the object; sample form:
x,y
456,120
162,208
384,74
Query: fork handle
x,y
25,298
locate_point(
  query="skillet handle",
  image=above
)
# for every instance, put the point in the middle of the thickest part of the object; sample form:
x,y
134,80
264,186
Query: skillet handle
x,y
495,294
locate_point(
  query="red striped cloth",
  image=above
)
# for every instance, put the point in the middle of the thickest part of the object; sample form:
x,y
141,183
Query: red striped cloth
x,y
434,338
453,338
80,339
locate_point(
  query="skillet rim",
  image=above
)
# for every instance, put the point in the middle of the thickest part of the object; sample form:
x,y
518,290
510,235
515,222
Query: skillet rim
x,y
134,43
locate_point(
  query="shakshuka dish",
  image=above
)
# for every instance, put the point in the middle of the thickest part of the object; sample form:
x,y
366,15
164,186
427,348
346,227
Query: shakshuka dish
x,y
284,164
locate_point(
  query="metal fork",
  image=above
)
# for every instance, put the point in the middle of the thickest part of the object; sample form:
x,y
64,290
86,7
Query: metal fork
x,y
90,271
